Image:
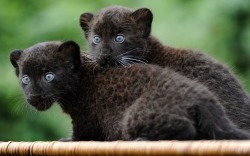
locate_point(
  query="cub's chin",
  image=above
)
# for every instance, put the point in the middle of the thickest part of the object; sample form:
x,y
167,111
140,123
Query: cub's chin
x,y
40,104
106,63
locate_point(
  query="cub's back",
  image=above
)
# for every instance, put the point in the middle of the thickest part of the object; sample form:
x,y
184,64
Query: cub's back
x,y
126,84
128,81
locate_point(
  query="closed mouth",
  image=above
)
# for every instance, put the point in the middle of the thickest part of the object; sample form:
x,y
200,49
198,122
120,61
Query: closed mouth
x,y
41,104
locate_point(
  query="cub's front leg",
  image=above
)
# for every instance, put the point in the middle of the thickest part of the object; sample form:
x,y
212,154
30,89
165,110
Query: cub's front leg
x,y
86,128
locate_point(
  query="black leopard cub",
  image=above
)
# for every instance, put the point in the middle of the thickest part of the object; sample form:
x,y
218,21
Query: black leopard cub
x,y
140,102
118,36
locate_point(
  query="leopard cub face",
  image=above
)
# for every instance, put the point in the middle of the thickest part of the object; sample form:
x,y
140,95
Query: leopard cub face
x,y
42,74
117,35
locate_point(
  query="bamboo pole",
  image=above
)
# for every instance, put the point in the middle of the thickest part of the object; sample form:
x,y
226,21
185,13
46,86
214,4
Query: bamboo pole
x,y
126,148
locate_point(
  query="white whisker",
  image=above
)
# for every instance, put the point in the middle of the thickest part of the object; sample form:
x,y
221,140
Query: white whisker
x,y
127,52
132,59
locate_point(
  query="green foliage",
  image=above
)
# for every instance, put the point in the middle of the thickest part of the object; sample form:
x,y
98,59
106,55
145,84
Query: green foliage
x,y
221,28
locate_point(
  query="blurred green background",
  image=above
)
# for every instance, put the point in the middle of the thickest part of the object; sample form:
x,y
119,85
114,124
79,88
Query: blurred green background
x,y
220,28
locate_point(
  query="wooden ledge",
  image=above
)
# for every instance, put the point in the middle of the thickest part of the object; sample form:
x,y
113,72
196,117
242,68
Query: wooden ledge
x,y
126,148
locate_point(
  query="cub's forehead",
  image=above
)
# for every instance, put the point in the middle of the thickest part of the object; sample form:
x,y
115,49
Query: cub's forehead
x,y
39,55
112,19
113,13
43,47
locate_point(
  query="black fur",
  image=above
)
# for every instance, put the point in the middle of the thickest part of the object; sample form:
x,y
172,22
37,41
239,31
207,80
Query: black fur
x,y
140,102
136,48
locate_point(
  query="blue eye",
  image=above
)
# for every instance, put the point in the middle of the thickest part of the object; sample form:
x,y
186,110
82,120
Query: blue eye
x,y
26,79
49,76
119,38
96,39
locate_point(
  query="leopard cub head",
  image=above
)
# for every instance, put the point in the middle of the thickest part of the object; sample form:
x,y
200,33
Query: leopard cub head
x,y
117,35
46,71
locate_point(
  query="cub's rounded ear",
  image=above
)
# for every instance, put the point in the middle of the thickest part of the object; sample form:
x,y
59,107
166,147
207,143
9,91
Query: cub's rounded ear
x,y
143,18
70,53
14,57
69,47
85,20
